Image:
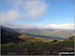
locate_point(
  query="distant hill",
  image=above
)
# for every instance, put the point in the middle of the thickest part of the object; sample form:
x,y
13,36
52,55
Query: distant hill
x,y
9,35
58,33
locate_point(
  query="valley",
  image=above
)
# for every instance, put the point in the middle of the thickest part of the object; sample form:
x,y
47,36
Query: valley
x,y
29,44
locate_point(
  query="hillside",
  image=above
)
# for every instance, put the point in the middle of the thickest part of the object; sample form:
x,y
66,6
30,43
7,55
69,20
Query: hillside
x,y
8,35
72,38
56,33
14,43
32,47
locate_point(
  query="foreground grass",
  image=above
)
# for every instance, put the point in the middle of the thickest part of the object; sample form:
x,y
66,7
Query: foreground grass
x,y
40,48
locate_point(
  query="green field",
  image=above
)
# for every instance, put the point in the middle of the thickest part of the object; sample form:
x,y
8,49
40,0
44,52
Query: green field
x,y
41,48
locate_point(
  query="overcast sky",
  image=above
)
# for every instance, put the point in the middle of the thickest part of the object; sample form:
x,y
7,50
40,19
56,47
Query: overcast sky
x,y
38,14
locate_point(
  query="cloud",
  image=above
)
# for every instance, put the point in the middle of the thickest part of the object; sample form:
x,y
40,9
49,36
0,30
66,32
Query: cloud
x,y
51,26
23,10
25,26
35,9
30,10
9,17
60,26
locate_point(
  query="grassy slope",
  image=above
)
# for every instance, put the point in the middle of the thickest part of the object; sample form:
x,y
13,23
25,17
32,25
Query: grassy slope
x,y
35,48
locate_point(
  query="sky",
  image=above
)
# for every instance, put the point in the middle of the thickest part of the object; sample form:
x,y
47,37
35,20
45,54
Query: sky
x,y
56,14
